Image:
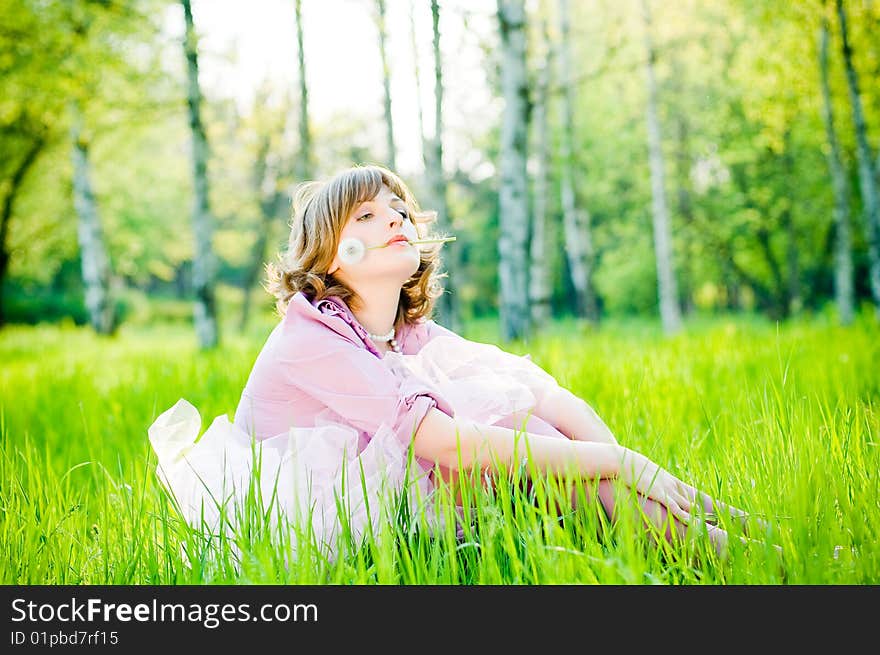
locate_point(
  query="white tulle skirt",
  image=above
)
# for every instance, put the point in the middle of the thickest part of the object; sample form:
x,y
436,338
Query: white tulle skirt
x,y
325,481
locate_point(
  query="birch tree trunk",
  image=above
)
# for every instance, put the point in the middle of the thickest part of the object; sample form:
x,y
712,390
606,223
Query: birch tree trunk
x,y
203,259
386,85
843,264
576,222
513,199
93,252
685,210
432,159
448,305
304,160
418,78
866,171
539,270
668,294
683,197
265,185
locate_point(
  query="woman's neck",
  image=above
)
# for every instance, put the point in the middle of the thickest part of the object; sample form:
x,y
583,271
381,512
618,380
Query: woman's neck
x,y
378,308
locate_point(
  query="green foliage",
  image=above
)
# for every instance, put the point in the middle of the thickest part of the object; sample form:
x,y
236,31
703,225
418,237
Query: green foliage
x,y
37,306
627,280
747,182
104,58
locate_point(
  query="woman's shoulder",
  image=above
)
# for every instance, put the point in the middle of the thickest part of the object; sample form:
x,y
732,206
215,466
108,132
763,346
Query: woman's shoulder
x,y
422,331
324,318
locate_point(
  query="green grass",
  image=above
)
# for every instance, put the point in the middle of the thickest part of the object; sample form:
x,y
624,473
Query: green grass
x,y
779,420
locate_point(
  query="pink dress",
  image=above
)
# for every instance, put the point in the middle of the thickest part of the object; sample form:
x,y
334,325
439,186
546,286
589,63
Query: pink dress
x,y
330,419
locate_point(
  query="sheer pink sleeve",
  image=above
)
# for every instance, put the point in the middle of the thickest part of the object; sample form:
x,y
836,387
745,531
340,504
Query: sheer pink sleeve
x,y
359,387
434,330
480,380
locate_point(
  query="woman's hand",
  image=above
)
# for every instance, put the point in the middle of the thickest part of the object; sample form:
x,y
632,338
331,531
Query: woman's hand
x,y
655,482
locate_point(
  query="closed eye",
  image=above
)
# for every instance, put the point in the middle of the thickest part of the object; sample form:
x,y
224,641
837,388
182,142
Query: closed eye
x,y
402,212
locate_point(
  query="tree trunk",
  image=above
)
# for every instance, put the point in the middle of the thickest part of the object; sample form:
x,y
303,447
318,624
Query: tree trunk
x,y
686,211
203,258
12,189
432,159
513,198
843,264
668,293
731,285
539,271
767,298
265,186
866,169
386,85
93,252
448,305
423,142
779,308
576,223
304,161
771,298
683,196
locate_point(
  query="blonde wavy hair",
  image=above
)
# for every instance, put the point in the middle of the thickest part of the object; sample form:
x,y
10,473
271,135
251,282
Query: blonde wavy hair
x,y
321,209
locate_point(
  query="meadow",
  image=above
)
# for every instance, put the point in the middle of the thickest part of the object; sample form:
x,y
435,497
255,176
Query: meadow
x,y
782,420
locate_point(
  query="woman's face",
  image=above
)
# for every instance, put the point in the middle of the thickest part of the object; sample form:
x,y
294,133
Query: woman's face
x,y
375,222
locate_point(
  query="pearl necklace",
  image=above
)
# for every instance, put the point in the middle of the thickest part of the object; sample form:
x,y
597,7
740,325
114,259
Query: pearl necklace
x,y
386,338
383,337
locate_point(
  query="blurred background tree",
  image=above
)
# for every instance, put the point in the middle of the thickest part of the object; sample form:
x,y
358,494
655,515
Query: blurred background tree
x,y
769,205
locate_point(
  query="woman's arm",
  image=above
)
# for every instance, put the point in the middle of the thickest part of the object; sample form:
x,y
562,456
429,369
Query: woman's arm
x,y
443,439
464,444
573,417
556,405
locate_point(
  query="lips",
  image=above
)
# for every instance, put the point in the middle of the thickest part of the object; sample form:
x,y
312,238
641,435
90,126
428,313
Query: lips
x,y
397,238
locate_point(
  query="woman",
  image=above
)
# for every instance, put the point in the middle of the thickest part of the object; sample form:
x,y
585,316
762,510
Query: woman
x,y
355,374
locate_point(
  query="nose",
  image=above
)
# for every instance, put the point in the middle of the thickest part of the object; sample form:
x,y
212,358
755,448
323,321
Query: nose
x,y
395,217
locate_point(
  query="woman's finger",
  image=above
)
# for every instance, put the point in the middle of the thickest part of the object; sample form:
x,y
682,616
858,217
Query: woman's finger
x,y
689,492
708,502
676,492
685,503
679,512
669,500
695,494
681,506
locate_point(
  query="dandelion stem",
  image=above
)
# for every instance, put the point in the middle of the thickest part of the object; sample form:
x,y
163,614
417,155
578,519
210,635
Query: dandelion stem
x,y
417,242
